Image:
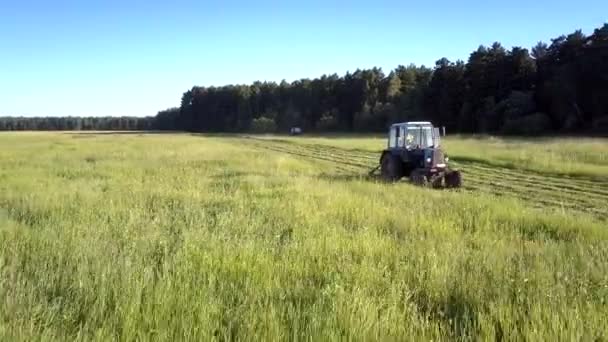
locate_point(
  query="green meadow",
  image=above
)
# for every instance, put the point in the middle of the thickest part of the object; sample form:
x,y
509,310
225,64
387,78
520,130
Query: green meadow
x,y
134,236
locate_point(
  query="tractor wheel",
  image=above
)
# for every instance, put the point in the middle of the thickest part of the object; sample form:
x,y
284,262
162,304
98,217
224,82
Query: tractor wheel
x,y
437,183
391,168
418,178
453,179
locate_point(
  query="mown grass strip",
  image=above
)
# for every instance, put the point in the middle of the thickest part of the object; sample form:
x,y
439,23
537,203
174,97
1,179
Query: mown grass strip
x,y
580,195
566,181
537,185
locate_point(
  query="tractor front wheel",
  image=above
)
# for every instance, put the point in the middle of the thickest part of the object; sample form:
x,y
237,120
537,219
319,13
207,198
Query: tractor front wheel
x,y
437,182
391,168
418,177
453,179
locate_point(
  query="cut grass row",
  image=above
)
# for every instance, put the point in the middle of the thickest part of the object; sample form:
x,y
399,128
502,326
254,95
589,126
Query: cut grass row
x,y
357,154
561,157
539,199
564,182
496,177
572,193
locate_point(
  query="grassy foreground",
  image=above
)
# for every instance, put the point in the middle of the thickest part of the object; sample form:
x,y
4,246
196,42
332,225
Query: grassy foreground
x,y
179,237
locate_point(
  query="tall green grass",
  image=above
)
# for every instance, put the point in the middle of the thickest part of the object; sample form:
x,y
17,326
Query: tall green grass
x,y
177,237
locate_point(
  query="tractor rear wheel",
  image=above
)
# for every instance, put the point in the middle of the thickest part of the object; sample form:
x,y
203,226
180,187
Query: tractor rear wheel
x,y
391,168
453,179
418,177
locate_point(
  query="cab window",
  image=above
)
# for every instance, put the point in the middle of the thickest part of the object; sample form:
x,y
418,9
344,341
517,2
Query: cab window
x,y
392,142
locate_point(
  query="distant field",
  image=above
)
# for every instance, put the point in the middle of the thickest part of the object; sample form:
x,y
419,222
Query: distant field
x,y
201,237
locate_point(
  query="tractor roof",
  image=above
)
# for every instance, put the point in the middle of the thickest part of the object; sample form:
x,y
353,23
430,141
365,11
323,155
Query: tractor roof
x,y
412,123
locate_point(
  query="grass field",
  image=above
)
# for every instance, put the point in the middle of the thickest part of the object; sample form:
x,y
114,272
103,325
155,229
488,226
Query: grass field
x,y
193,237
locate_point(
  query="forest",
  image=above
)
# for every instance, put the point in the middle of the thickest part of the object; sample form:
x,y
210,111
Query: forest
x,y
560,87
75,123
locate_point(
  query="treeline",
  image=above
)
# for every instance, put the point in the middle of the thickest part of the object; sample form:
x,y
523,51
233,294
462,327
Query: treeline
x,y
71,123
561,86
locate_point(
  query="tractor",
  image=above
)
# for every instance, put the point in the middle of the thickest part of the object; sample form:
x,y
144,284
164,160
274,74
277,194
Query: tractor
x,y
414,152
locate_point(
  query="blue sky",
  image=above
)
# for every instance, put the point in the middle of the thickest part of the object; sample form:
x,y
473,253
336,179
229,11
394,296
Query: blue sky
x,y
138,57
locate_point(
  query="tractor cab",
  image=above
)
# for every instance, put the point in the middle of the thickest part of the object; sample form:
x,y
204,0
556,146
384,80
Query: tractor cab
x,y
413,136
